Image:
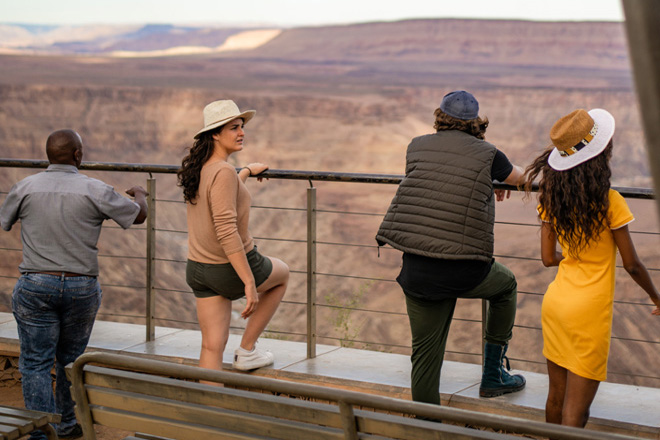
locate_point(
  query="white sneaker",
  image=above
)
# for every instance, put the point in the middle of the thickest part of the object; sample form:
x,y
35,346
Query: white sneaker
x,y
250,360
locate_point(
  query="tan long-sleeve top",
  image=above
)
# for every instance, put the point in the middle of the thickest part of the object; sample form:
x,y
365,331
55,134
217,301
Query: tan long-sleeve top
x,y
218,221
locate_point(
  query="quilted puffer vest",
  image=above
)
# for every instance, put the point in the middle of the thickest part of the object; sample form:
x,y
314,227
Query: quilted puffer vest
x,y
444,207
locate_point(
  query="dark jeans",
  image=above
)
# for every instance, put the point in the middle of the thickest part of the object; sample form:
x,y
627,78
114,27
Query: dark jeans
x,y
430,321
55,316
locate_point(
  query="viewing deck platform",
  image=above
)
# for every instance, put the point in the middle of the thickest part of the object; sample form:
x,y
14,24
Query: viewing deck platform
x,y
622,409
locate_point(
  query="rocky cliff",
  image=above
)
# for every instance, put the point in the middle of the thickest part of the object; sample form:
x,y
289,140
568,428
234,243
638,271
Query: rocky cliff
x,y
339,98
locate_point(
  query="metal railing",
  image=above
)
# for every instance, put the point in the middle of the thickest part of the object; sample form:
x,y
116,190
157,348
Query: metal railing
x,y
311,273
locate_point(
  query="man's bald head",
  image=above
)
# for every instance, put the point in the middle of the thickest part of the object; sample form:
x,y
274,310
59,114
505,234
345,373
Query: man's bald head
x,y
64,147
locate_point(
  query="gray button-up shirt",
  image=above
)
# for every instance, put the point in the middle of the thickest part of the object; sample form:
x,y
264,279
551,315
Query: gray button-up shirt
x,y
61,213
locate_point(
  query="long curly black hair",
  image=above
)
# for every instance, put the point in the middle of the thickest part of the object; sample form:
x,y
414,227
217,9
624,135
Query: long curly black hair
x,y
576,200
188,175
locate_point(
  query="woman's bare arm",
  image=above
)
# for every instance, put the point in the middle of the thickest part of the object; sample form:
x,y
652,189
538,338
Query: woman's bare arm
x,y
549,254
634,265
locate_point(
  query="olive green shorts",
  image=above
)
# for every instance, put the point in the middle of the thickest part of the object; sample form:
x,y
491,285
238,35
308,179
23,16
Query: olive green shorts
x,y
207,280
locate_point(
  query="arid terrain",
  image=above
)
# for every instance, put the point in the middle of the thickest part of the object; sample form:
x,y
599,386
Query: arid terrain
x,y
343,99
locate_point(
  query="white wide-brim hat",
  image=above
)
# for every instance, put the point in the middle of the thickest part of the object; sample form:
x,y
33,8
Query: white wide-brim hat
x,y
579,137
218,113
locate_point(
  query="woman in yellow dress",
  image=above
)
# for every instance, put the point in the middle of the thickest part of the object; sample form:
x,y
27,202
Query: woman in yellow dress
x,y
590,221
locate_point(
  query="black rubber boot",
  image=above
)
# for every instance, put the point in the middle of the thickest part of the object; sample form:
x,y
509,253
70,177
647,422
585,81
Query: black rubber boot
x,y
495,380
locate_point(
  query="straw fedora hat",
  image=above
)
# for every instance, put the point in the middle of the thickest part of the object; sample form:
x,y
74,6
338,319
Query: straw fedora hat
x,y
580,136
219,113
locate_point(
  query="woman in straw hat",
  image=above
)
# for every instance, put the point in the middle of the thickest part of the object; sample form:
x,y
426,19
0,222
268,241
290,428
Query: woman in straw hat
x,y
223,262
590,221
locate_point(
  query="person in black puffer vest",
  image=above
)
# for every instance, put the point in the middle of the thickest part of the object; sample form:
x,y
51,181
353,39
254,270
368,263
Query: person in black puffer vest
x,y
442,219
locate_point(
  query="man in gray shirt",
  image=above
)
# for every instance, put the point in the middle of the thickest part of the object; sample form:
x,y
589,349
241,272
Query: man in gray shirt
x,y
57,296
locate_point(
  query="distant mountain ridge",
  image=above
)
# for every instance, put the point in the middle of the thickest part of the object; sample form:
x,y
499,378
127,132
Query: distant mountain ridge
x,y
104,39
595,44
428,41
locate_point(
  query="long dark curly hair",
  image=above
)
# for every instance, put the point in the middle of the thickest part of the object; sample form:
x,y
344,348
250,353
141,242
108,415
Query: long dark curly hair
x,y
576,200
476,127
191,166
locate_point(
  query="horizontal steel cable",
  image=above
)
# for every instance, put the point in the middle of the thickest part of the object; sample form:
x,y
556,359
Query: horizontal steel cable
x,y
132,228
123,286
120,315
334,338
128,257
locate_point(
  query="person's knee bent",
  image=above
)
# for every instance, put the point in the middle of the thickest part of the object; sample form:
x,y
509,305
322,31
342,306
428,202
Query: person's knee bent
x,y
509,289
511,284
280,273
284,270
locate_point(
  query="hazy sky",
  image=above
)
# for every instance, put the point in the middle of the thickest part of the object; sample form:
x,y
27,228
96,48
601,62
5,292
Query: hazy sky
x,y
296,12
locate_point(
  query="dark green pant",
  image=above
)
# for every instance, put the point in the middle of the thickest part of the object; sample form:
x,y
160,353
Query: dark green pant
x,y
430,321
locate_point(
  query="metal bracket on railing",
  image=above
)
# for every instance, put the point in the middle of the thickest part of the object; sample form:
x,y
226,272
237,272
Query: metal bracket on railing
x,y
311,184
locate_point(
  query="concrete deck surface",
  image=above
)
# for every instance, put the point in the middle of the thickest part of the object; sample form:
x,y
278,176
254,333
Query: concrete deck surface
x,y
623,409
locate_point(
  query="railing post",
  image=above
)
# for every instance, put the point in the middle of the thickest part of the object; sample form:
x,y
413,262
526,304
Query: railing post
x,y
311,273
484,318
151,254
643,33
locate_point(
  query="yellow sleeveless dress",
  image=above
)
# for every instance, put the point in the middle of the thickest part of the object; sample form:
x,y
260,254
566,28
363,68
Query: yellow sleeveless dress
x,y
576,314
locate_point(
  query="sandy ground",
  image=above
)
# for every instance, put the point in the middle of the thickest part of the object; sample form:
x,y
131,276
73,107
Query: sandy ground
x,y
11,395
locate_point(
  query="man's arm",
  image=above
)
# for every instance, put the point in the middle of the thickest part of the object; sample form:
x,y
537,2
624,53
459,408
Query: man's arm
x,y
515,178
504,171
9,209
140,196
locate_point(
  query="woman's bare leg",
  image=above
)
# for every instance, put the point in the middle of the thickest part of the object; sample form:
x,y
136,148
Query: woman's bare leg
x,y
214,316
556,393
580,393
270,292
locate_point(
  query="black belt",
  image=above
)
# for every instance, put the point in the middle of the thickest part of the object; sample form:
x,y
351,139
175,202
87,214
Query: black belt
x,y
63,274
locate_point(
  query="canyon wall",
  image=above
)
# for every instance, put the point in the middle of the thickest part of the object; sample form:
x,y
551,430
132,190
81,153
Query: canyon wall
x,y
344,99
